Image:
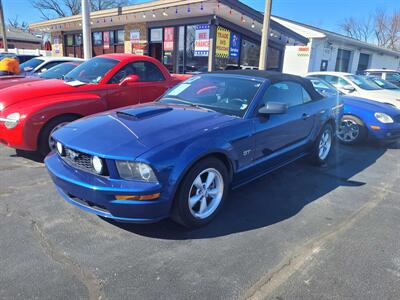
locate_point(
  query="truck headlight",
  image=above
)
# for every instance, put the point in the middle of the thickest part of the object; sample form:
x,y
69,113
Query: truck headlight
x,y
383,118
135,171
12,120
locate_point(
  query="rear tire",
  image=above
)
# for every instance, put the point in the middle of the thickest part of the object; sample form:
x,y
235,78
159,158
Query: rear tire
x,y
351,130
44,146
323,145
201,194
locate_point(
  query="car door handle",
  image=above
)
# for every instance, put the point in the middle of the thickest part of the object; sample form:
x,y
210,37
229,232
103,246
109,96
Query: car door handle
x,y
305,116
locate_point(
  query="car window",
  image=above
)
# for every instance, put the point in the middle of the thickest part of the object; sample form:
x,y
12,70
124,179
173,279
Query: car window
x,y
375,73
48,66
146,71
287,92
30,64
306,96
58,71
393,76
363,82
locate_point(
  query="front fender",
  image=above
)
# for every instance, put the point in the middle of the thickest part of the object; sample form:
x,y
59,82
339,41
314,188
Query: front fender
x,y
35,113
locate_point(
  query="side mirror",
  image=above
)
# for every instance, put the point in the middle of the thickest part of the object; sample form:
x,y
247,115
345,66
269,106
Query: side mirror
x,y
348,88
272,108
129,79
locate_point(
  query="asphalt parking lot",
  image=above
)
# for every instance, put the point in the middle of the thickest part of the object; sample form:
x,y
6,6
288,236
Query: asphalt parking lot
x,y
302,232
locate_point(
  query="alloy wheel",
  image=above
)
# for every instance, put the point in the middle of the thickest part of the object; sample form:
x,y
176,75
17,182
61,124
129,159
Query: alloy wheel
x,y
206,193
325,144
348,131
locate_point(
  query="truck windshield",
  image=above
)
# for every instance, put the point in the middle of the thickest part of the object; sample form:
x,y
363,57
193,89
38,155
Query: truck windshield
x,y
91,71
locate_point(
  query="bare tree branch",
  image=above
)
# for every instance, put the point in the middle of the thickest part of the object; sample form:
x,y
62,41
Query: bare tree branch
x,y
63,8
15,23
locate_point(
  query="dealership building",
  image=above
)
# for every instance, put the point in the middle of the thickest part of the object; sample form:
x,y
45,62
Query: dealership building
x,y
186,35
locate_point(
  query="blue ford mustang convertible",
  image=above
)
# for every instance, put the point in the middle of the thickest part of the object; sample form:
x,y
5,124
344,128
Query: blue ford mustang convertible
x,y
179,156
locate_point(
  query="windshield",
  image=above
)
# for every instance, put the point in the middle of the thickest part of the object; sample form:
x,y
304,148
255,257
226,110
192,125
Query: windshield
x,y
30,64
383,83
393,76
227,95
363,82
58,71
91,71
324,87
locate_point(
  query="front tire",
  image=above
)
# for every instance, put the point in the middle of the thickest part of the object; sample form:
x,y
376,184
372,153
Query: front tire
x,y
201,194
323,145
46,144
351,130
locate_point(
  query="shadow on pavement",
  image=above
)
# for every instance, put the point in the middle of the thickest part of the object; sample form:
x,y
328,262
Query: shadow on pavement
x,y
274,197
34,156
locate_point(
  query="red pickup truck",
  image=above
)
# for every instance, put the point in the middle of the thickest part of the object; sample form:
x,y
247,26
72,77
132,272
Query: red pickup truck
x,y
30,112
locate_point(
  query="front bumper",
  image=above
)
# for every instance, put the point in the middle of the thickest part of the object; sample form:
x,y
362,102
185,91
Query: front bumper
x,y
14,137
386,132
96,194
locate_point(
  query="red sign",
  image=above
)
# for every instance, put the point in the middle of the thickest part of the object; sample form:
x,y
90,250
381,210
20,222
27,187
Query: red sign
x,y
169,39
106,39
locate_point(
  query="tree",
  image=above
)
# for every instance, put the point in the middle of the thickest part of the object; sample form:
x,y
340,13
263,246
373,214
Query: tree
x,y
15,23
382,29
64,8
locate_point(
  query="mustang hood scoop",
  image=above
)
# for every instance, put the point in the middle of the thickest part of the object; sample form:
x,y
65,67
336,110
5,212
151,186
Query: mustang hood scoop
x,y
142,112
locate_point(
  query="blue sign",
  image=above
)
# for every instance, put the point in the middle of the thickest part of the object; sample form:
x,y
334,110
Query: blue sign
x,y
234,45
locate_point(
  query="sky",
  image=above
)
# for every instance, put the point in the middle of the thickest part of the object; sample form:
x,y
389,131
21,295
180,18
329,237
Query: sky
x,y
327,14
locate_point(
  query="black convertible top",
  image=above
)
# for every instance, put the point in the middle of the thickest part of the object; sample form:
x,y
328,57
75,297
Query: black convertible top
x,y
276,77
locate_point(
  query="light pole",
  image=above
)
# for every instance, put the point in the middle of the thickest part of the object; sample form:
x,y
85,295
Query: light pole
x,y
264,36
3,28
86,32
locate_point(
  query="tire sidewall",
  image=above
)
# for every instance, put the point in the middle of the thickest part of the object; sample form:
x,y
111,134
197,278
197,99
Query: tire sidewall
x,y
181,212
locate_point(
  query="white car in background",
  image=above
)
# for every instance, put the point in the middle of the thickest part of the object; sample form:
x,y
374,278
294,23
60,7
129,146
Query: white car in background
x,y
392,76
40,64
359,86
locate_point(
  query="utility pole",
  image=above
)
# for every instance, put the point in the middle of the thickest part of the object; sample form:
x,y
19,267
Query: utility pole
x,y
86,32
264,36
3,28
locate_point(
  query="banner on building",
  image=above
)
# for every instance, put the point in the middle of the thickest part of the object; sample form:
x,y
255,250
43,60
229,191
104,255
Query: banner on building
x,y
202,40
106,39
303,51
234,45
223,42
168,38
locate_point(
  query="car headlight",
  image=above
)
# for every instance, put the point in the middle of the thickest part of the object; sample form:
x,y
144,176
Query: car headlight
x,y
383,118
135,171
12,120
97,164
60,148
1,106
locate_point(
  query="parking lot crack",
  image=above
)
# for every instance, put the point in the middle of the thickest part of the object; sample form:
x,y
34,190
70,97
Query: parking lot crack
x,y
92,284
268,283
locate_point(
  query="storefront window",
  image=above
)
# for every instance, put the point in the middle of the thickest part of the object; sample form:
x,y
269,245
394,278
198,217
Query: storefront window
x,y
120,36
274,59
168,47
70,40
97,38
197,48
181,50
78,39
249,54
343,60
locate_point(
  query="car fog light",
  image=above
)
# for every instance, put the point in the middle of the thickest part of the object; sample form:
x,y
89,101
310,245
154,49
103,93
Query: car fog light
x,y
60,148
97,164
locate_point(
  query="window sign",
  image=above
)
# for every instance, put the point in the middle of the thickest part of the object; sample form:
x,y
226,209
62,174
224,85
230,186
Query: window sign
x,y
202,40
234,45
156,35
106,38
98,38
134,36
169,39
223,42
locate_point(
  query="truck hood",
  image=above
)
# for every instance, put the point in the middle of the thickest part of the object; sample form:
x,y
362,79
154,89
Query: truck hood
x,y
129,132
33,90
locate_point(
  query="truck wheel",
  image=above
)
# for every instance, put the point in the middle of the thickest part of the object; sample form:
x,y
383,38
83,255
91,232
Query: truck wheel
x,y
46,143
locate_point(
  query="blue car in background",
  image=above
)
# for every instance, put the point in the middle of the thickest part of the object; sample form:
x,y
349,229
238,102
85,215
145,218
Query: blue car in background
x,y
362,118
179,156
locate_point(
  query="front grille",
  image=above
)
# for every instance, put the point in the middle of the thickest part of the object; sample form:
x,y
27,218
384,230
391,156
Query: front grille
x,y
80,160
